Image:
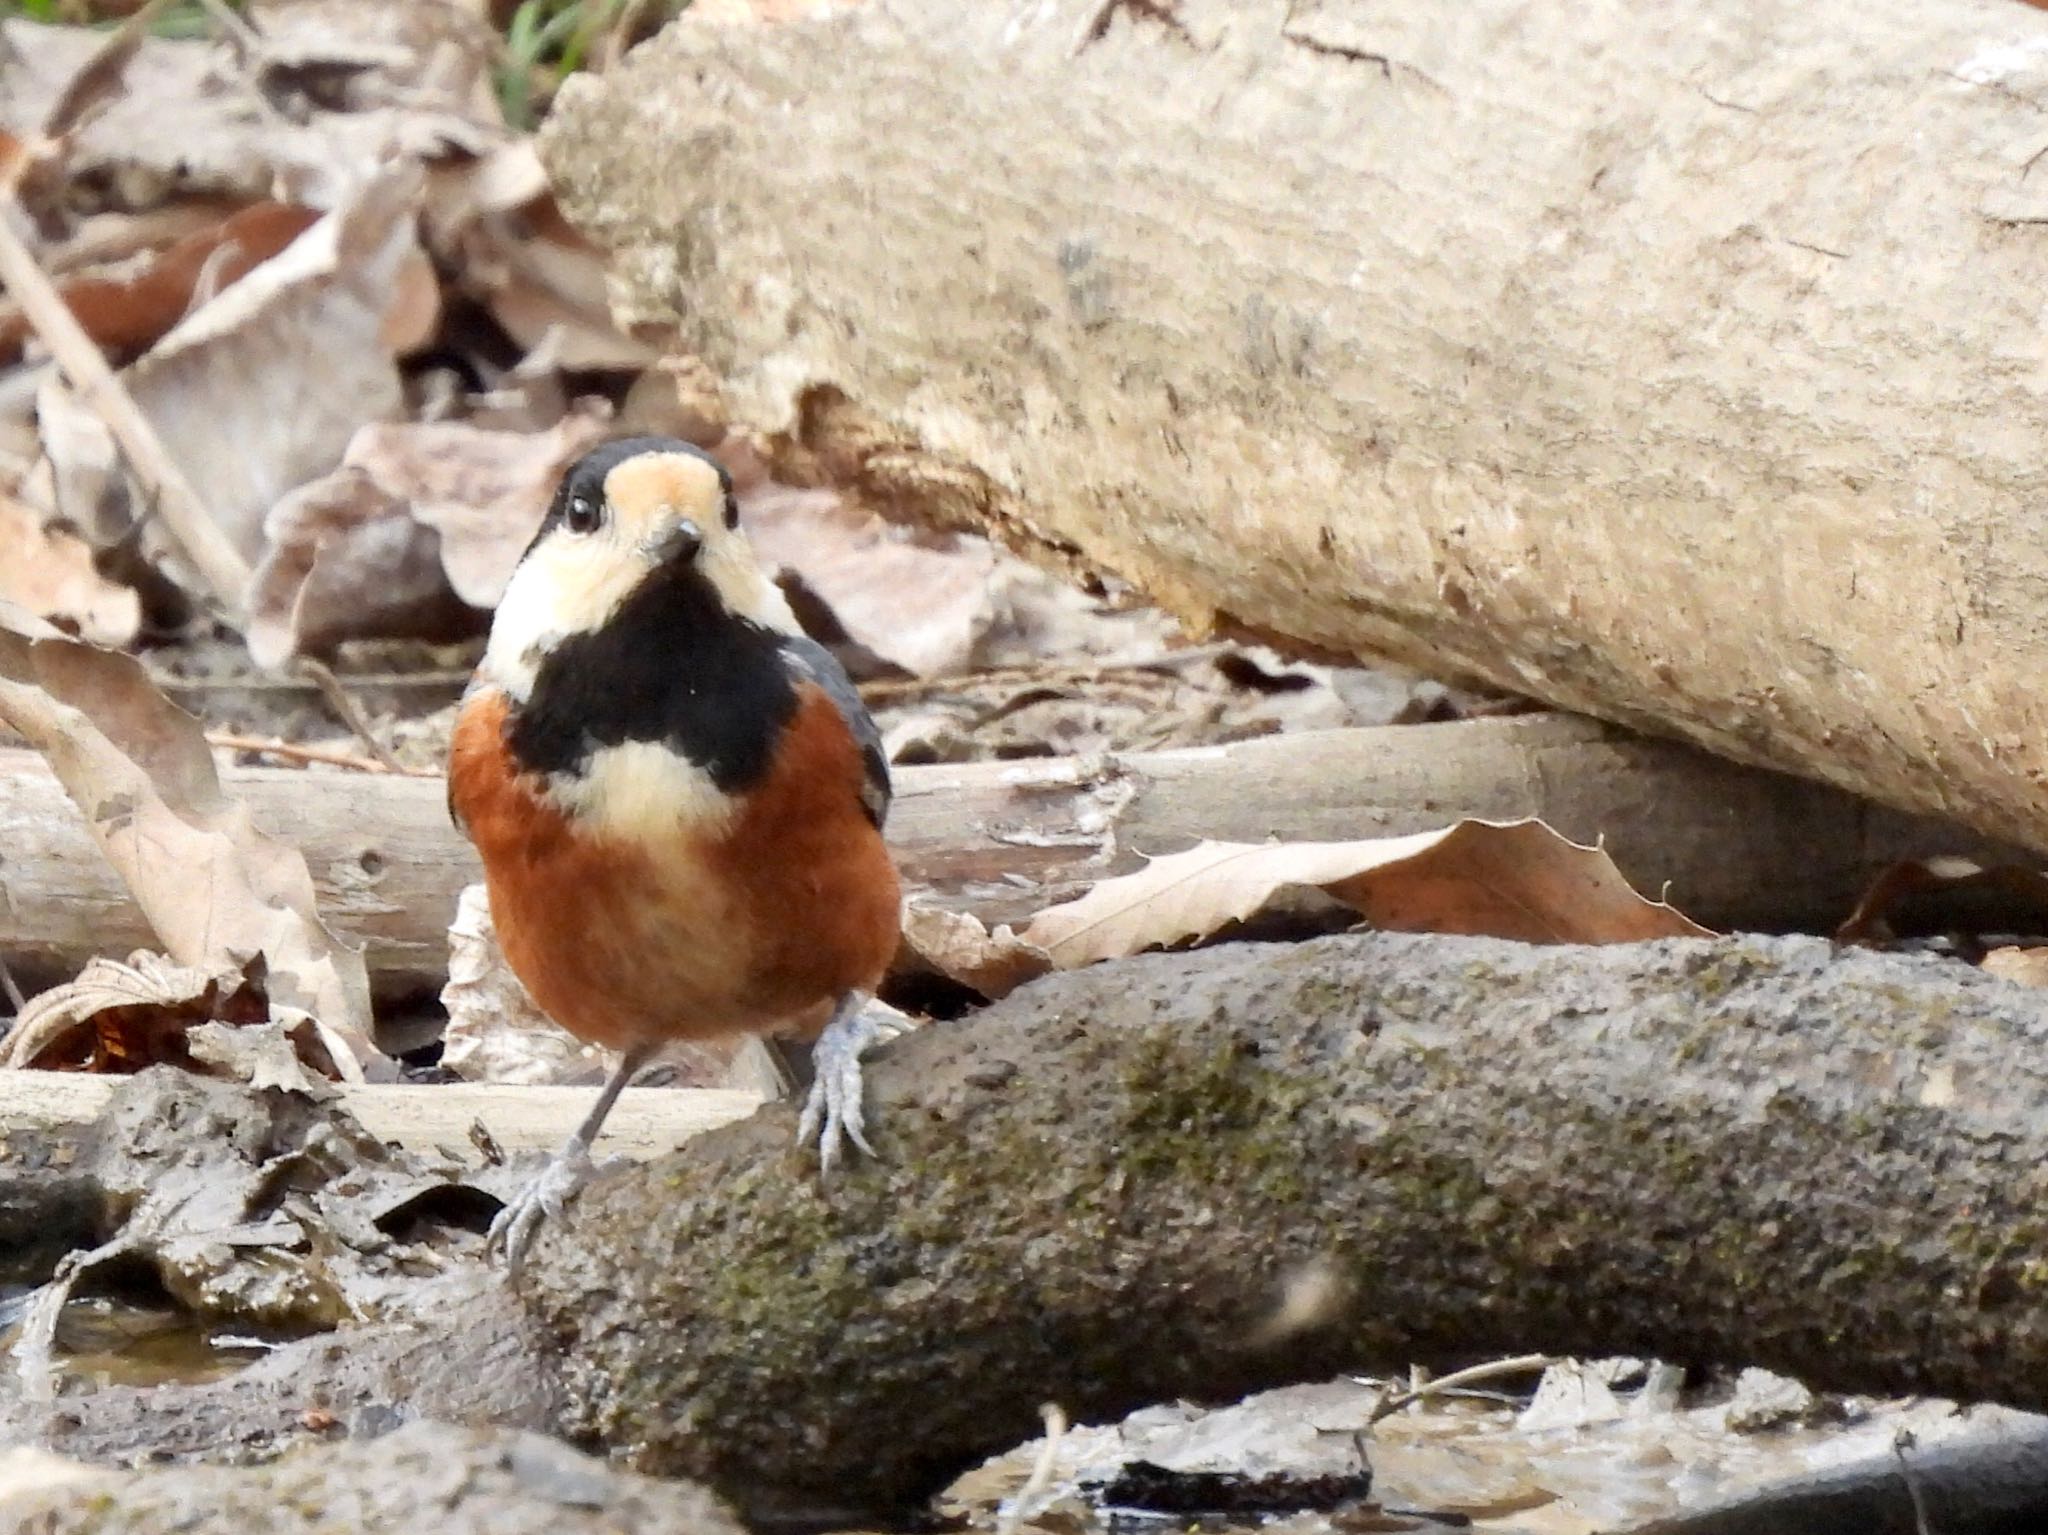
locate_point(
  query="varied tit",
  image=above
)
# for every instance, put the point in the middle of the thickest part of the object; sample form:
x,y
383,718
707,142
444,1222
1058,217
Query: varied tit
x,y
678,797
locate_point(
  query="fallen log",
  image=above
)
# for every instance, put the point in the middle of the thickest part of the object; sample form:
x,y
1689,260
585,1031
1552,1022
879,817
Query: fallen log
x,y
646,1121
1638,362
1198,1175
1736,847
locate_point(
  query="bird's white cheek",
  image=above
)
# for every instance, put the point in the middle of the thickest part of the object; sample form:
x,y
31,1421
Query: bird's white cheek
x,y
642,791
559,590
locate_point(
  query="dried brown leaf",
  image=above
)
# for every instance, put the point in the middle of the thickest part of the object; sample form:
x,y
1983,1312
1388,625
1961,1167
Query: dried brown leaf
x,y
332,90
959,946
120,1017
132,311
217,891
1517,879
861,566
412,536
260,390
484,492
346,561
51,574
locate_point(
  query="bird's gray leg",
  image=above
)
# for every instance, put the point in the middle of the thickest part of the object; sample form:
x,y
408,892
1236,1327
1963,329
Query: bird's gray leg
x,y
832,1113
566,1171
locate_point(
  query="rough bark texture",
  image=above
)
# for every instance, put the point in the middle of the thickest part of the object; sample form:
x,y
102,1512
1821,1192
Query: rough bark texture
x,y
1737,848
429,1477
1674,365
1106,1190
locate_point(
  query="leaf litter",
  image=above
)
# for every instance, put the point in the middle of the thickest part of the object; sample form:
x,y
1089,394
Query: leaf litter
x,y
337,284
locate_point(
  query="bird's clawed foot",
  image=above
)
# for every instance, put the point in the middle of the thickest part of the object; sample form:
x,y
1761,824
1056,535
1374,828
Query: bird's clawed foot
x,y
567,1171
832,1114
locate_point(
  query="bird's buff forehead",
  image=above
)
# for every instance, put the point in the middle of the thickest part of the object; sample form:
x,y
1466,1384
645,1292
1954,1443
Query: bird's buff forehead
x,y
646,491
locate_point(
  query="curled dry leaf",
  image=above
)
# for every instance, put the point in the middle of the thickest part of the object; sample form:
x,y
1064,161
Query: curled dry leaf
x,y
960,947
412,536
216,890
149,1010
261,389
977,606
1516,879
347,561
329,90
129,312
484,492
51,574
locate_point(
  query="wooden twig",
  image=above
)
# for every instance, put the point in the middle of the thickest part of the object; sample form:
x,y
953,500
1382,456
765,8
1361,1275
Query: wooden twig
x,y
1018,1509
185,518
317,673
287,751
892,689
1493,1369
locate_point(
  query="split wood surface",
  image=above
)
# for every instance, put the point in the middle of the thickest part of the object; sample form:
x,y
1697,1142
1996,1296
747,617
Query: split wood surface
x,y
646,1122
1676,366
1736,847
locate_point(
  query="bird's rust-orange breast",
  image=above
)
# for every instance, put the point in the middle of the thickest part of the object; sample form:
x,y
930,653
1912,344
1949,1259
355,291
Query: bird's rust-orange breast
x,y
685,936
812,870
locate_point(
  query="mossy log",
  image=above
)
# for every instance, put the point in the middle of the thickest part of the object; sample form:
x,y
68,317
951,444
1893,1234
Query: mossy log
x,y
1195,1175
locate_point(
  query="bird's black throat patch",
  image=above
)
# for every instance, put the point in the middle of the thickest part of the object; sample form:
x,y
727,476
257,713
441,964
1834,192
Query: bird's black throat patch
x,y
670,666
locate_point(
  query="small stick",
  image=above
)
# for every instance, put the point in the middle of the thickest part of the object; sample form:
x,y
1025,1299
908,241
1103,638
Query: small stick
x,y
290,752
219,563
1491,1370
911,687
1903,1441
1035,1484
352,716
15,1000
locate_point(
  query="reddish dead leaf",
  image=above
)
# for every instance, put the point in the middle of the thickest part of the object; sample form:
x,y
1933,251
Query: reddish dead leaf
x,y
51,574
119,1017
218,892
127,314
1518,879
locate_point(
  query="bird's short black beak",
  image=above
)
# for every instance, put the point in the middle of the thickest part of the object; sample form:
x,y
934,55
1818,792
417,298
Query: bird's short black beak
x,y
679,545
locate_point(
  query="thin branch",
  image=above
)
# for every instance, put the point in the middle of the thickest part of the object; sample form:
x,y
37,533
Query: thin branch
x,y
1493,1369
185,518
1017,1509
351,713
287,751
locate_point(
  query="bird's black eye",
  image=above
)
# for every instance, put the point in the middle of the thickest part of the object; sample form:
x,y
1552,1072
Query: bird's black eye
x,y
732,510
583,515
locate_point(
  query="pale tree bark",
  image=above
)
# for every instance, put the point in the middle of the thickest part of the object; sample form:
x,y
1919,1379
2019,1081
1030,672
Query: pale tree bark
x,y
1731,846
1677,365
